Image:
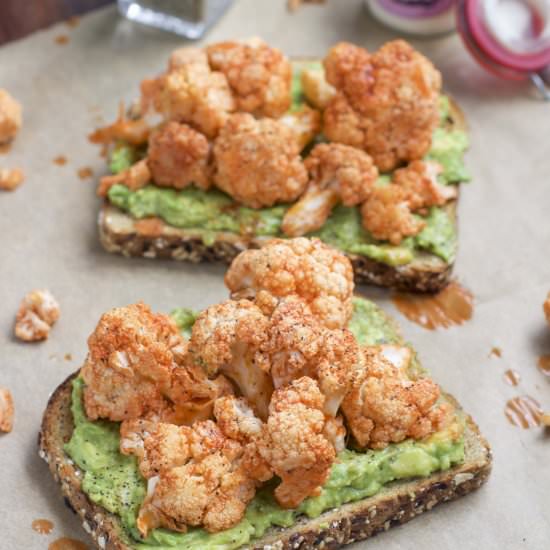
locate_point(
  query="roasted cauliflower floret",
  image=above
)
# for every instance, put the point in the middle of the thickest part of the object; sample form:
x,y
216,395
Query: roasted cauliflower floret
x,y
387,102
257,162
190,93
236,419
225,339
259,75
158,446
300,345
178,156
419,179
384,406
304,122
128,370
319,275
188,55
201,481
10,117
135,177
386,214
337,173
293,442
37,313
317,91
7,410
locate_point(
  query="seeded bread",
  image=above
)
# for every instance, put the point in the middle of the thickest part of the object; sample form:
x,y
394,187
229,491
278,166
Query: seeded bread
x,y
152,238
396,503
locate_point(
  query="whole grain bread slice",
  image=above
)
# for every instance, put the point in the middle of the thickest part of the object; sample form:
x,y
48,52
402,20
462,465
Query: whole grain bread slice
x,y
152,238
395,504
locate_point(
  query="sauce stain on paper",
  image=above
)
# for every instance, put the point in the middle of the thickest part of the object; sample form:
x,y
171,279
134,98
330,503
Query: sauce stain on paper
x,y
85,172
544,364
454,305
60,160
512,377
65,543
5,148
61,39
42,526
523,411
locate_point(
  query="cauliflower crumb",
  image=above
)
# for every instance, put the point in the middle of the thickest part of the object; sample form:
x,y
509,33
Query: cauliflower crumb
x,y
315,87
260,76
319,275
293,442
7,410
11,178
257,162
337,173
387,102
10,117
546,308
37,314
384,406
178,156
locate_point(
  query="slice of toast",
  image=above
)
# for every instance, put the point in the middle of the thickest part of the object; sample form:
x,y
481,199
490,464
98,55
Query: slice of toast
x,y
152,238
396,503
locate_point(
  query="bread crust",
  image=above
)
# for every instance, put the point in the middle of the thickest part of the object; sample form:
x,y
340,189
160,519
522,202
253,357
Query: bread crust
x,y
395,504
119,233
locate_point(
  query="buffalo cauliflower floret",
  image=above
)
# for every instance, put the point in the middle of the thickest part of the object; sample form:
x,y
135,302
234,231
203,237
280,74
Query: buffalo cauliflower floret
x,y
178,156
386,214
385,406
293,442
10,117
337,173
259,75
135,177
236,419
128,370
131,130
157,445
387,102
190,93
318,274
187,55
304,122
300,345
225,339
419,179
201,482
257,162
317,91
37,314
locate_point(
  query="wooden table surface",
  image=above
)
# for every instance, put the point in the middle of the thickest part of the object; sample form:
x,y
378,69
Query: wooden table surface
x,y
19,18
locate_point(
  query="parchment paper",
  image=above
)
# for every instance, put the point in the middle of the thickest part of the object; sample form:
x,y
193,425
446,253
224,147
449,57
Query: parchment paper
x,y
49,239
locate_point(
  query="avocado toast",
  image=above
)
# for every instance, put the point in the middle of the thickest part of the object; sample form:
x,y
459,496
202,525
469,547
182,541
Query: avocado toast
x,y
199,223
371,480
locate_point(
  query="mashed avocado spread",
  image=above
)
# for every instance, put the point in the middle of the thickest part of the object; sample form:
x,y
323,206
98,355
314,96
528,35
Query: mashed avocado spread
x,y
113,481
211,212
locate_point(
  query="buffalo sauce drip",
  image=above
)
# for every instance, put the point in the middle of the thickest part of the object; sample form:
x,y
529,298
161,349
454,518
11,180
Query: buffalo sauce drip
x,y
65,543
523,411
544,364
42,526
512,377
454,305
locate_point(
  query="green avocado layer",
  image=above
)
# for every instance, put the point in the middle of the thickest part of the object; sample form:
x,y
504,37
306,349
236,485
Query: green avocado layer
x,y
113,481
208,213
